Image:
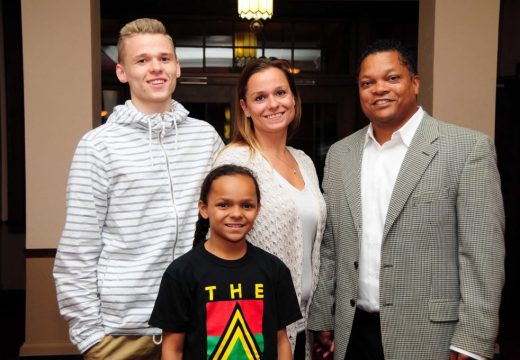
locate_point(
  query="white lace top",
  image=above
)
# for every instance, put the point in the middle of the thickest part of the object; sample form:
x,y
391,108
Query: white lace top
x,y
308,211
278,228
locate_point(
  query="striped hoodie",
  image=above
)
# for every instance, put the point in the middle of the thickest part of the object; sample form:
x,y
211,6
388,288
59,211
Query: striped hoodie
x,y
132,199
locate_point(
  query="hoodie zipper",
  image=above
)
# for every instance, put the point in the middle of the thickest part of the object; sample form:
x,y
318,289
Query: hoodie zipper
x,y
161,136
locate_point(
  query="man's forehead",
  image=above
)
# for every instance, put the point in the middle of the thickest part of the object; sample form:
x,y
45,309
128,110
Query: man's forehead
x,y
152,52
143,43
148,39
384,60
382,56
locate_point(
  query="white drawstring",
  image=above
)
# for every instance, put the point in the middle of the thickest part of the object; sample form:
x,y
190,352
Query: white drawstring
x,y
150,140
162,134
176,133
163,127
159,342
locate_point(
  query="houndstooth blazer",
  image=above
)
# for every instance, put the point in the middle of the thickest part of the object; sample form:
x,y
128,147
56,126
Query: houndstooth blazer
x,y
442,261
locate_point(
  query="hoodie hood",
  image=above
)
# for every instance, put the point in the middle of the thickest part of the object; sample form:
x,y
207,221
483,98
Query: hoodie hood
x,y
129,115
159,123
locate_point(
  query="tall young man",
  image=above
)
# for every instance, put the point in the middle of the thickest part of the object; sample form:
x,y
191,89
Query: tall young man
x,y
131,202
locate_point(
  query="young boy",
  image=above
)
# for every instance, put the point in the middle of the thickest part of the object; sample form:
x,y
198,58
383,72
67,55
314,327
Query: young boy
x,y
131,202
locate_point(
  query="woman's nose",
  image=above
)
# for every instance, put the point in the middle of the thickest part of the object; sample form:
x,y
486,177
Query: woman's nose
x,y
272,102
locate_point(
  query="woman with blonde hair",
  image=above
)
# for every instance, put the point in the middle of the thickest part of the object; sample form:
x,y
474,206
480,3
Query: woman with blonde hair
x,y
291,221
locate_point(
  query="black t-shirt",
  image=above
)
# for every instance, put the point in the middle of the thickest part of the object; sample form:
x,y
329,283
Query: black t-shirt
x,y
226,308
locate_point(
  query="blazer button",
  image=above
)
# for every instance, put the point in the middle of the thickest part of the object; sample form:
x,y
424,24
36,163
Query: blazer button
x,y
356,265
352,302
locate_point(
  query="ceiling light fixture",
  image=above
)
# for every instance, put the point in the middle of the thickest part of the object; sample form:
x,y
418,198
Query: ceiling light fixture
x,y
255,9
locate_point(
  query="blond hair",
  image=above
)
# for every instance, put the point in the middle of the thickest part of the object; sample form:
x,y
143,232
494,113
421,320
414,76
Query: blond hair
x,y
140,26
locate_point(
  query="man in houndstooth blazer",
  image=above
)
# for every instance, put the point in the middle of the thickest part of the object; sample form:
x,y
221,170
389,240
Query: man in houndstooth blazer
x,y
427,285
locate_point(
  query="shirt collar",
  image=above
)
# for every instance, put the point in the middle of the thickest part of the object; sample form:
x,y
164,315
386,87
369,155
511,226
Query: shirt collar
x,y
405,132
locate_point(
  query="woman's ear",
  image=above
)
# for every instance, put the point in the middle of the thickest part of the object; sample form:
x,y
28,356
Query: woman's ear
x,y
243,105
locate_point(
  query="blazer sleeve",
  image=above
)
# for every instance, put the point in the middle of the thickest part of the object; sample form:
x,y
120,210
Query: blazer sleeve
x,y
481,250
321,310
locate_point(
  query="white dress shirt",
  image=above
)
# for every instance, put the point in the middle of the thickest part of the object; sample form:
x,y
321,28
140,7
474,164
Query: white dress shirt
x,y
379,170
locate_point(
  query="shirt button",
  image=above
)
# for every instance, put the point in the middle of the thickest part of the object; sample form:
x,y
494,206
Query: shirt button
x,y
352,302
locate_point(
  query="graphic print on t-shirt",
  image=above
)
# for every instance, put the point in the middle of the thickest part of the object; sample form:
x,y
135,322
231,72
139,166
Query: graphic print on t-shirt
x,y
234,329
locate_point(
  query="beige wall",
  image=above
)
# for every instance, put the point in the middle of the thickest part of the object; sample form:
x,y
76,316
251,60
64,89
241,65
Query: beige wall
x,y
62,100
46,333
458,44
62,88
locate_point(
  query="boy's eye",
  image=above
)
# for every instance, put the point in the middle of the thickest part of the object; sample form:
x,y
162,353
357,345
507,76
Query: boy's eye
x,y
222,205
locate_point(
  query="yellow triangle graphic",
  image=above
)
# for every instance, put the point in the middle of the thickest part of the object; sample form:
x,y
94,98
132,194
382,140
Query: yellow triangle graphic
x,y
236,330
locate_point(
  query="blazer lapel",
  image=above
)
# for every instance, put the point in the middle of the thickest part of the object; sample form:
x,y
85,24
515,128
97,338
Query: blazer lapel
x,y
352,177
421,152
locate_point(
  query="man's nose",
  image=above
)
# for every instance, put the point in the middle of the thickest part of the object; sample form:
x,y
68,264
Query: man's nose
x,y
155,65
379,87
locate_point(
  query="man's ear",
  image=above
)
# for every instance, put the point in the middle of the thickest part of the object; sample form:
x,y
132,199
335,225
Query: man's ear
x,y
120,72
203,209
178,70
416,82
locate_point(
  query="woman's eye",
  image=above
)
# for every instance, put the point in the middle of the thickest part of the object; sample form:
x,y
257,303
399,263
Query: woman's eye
x,y
259,98
281,92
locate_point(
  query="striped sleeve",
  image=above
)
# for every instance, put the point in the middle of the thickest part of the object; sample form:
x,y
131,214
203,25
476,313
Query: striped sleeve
x,y
75,268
